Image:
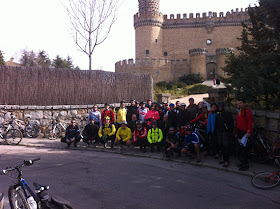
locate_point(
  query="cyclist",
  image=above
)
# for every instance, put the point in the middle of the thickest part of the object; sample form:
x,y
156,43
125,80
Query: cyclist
x,y
107,132
90,133
140,136
121,114
152,115
72,134
107,112
244,123
191,143
212,142
95,114
224,128
142,111
123,135
155,136
172,116
192,108
131,110
172,143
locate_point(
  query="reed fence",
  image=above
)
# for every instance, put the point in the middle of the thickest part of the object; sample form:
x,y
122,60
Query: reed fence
x,y
44,86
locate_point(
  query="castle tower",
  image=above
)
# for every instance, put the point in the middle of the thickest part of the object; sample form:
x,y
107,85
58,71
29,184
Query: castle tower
x,y
148,30
198,61
221,57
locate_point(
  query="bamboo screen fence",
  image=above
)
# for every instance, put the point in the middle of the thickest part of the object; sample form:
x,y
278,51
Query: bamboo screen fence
x,y
43,86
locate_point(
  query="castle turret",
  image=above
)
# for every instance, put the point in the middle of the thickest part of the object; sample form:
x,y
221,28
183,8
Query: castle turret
x,y
148,29
221,57
198,61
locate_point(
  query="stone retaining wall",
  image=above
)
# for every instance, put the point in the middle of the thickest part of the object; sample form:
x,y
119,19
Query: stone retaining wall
x,y
43,115
268,120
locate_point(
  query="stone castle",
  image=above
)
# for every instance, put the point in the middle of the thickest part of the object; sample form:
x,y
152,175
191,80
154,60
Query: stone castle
x,y
170,47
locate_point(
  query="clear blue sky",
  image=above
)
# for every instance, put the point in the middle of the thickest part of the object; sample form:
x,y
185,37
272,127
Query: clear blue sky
x,y
43,25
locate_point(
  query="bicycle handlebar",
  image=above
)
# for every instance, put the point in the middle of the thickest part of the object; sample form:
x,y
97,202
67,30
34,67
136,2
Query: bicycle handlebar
x,y
25,163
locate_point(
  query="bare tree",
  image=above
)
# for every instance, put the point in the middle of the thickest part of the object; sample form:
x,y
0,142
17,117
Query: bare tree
x,y
91,22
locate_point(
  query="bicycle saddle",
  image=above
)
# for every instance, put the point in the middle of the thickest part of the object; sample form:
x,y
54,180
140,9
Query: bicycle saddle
x,y
39,188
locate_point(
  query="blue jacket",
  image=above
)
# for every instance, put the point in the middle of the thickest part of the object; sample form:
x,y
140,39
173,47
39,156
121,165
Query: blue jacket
x,y
211,122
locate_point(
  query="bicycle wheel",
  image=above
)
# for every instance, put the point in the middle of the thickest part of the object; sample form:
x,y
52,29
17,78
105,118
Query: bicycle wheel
x,y
13,136
17,199
266,180
32,130
52,132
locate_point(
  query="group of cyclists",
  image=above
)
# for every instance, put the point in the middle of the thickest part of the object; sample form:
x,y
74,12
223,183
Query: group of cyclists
x,y
168,127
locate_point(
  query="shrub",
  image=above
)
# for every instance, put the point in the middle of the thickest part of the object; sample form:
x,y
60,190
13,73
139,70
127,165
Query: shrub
x,y
191,79
198,89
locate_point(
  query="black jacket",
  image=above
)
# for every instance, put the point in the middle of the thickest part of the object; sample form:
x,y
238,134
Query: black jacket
x,y
91,130
224,122
72,131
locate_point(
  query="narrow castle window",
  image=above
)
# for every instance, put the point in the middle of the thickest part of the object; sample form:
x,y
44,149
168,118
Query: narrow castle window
x,y
165,54
147,51
156,40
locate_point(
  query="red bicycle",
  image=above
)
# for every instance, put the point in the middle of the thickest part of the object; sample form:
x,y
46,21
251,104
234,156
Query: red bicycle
x,y
267,180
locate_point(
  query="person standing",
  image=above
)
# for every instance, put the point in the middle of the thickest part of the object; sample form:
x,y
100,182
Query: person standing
x,y
121,114
95,114
212,143
107,113
244,124
131,110
224,128
192,109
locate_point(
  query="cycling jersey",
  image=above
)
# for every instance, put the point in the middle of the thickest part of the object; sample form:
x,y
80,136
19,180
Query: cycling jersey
x,y
191,139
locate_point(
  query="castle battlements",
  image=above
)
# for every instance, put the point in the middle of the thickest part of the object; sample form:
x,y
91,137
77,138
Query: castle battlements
x,y
153,62
210,19
233,14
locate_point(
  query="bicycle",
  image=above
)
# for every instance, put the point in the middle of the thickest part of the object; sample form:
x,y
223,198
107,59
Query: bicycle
x,y
53,130
263,149
32,130
201,132
22,196
10,135
267,180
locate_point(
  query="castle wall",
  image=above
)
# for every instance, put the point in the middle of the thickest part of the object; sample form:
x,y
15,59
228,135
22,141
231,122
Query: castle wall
x,y
160,69
200,40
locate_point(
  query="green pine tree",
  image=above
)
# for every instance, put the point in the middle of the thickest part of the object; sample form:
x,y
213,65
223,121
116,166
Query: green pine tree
x,y
2,61
253,72
43,59
58,62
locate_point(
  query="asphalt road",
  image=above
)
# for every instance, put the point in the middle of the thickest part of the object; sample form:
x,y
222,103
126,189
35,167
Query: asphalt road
x,y
91,180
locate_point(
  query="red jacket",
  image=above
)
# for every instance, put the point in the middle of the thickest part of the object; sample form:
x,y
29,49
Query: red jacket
x,y
108,113
244,122
153,114
142,133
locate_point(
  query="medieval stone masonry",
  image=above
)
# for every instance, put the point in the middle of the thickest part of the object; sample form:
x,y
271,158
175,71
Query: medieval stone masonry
x,y
170,47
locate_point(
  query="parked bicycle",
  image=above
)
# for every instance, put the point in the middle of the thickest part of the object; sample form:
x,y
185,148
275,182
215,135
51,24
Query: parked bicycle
x,y
32,130
267,180
263,149
9,134
53,130
22,196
